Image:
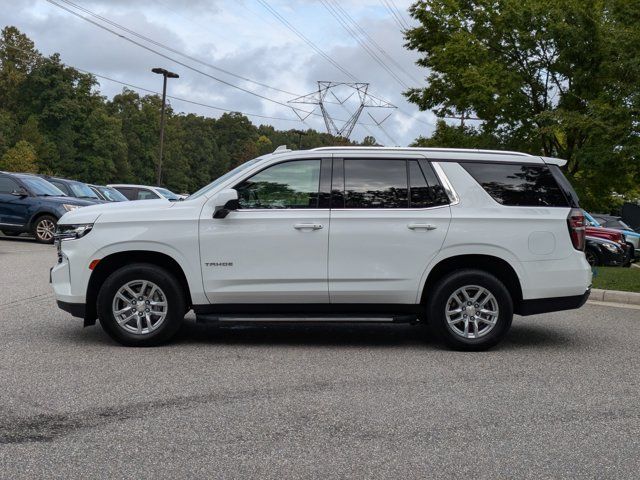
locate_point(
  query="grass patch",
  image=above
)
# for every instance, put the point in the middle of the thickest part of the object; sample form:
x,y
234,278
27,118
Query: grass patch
x,y
616,278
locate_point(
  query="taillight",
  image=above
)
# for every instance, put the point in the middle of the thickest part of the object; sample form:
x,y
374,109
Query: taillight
x,y
577,224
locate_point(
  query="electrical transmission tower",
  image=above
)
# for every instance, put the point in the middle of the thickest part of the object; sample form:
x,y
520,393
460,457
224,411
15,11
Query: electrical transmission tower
x,y
365,100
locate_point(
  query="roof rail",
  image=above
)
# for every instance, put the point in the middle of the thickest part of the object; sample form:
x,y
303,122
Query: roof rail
x,y
281,149
429,149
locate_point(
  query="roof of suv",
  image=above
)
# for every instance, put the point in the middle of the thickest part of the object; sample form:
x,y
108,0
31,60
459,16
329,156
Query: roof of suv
x,y
465,154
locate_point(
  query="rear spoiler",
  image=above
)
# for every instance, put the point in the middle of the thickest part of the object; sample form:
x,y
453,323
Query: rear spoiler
x,y
554,161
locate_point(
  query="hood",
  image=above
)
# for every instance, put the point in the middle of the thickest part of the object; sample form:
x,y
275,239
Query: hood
x,y
135,207
604,232
602,241
68,200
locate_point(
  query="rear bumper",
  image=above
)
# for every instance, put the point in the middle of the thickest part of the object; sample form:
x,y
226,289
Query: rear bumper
x,y
75,309
555,304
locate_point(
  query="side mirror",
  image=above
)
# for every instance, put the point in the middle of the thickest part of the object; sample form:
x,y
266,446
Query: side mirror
x,y
226,202
20,192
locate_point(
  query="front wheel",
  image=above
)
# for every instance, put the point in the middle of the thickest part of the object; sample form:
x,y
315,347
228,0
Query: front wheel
x,y
44,228
470,310
141,305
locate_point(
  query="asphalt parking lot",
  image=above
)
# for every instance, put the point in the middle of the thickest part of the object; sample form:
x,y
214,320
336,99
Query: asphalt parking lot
x,y
558,399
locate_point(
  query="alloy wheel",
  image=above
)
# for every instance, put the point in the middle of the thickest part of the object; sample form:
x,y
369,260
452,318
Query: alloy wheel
x,y
139,307
45,230
472,312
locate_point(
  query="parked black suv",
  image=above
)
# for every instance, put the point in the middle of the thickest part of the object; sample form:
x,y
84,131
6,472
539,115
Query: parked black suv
x,y
73,188
30,204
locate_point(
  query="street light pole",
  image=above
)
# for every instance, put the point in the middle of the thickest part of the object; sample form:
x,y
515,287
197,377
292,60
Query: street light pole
x,y
165,74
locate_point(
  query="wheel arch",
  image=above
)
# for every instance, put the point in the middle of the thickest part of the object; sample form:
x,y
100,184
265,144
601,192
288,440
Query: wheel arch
x,y
498,267
114,261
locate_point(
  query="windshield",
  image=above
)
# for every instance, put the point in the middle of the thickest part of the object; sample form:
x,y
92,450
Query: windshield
x,y
169,195
41,188
81,190
224,178
112,194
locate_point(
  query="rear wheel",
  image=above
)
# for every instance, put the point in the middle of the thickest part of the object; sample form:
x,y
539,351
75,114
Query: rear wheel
x,y
141,305
470,310
44,228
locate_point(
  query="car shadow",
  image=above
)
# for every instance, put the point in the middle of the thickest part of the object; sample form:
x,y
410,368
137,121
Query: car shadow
x,y
522,336
21,239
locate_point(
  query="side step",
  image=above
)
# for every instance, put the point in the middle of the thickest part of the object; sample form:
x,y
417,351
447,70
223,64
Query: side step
x,y
221,319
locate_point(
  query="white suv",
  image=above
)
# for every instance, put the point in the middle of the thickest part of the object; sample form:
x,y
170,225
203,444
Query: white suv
x,y
458,239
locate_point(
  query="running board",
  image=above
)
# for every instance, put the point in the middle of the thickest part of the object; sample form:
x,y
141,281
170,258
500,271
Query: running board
x,y
306,319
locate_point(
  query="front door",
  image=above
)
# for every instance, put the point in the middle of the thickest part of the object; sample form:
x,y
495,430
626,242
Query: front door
x,y
274,248
389,219
13,209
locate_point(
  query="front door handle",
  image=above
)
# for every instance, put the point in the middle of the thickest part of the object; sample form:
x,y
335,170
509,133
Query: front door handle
x,y
307,226
421,226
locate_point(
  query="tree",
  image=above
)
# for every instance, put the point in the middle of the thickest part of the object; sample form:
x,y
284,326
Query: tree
x,y
20,158
555,78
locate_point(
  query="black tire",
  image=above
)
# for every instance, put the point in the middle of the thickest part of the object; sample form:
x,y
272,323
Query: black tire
x,y
9,233
41,229
170,288
593,257
438,303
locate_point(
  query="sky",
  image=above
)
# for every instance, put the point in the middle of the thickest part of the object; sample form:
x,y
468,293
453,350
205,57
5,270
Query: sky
x,y
244,38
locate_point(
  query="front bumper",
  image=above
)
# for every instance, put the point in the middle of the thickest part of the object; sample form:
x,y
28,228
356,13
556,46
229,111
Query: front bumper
x,y
555,304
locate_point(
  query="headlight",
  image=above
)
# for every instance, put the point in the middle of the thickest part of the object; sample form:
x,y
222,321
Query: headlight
x,y
70,208
72,232
612,247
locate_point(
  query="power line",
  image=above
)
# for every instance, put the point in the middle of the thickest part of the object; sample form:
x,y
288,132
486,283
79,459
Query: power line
x,y
297,32
173,97
371,40
124,37
395,16
353,33
401,15
166,47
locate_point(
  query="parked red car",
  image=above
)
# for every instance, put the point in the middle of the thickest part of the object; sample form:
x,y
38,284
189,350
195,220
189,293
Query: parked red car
x,y
612,235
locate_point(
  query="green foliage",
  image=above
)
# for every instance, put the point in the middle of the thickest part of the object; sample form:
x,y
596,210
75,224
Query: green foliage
x,y
20,158
53,120
557,78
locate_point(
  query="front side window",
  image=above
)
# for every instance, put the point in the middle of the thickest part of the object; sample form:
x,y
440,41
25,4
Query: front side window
x,y
517,184
168,194
285,185
375,183
146,195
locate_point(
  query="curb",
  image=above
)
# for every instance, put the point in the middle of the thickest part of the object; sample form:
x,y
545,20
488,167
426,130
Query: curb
x,y
615,296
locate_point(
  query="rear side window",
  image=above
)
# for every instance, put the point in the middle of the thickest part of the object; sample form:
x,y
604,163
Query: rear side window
x,y
7,185
425,189
517,184
375,183
130,193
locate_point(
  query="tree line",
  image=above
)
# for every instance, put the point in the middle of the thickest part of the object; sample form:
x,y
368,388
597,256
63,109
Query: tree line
x,y
54,120
557,78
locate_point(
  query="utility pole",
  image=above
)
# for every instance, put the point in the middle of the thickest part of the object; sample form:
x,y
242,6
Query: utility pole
x,y
165,74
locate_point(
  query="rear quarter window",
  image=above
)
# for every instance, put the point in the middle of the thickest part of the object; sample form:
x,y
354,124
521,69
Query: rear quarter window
x,y
518,185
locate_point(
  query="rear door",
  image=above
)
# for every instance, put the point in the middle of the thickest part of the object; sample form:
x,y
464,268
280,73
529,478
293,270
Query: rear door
x,y
389,218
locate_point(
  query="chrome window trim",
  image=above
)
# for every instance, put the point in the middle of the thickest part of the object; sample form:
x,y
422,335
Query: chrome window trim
x,y
454,199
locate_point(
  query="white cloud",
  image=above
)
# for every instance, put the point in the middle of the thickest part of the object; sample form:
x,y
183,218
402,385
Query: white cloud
x,y
239,36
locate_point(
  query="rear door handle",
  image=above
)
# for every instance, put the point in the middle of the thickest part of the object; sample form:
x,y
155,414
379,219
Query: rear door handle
x,y
307,226
421,226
